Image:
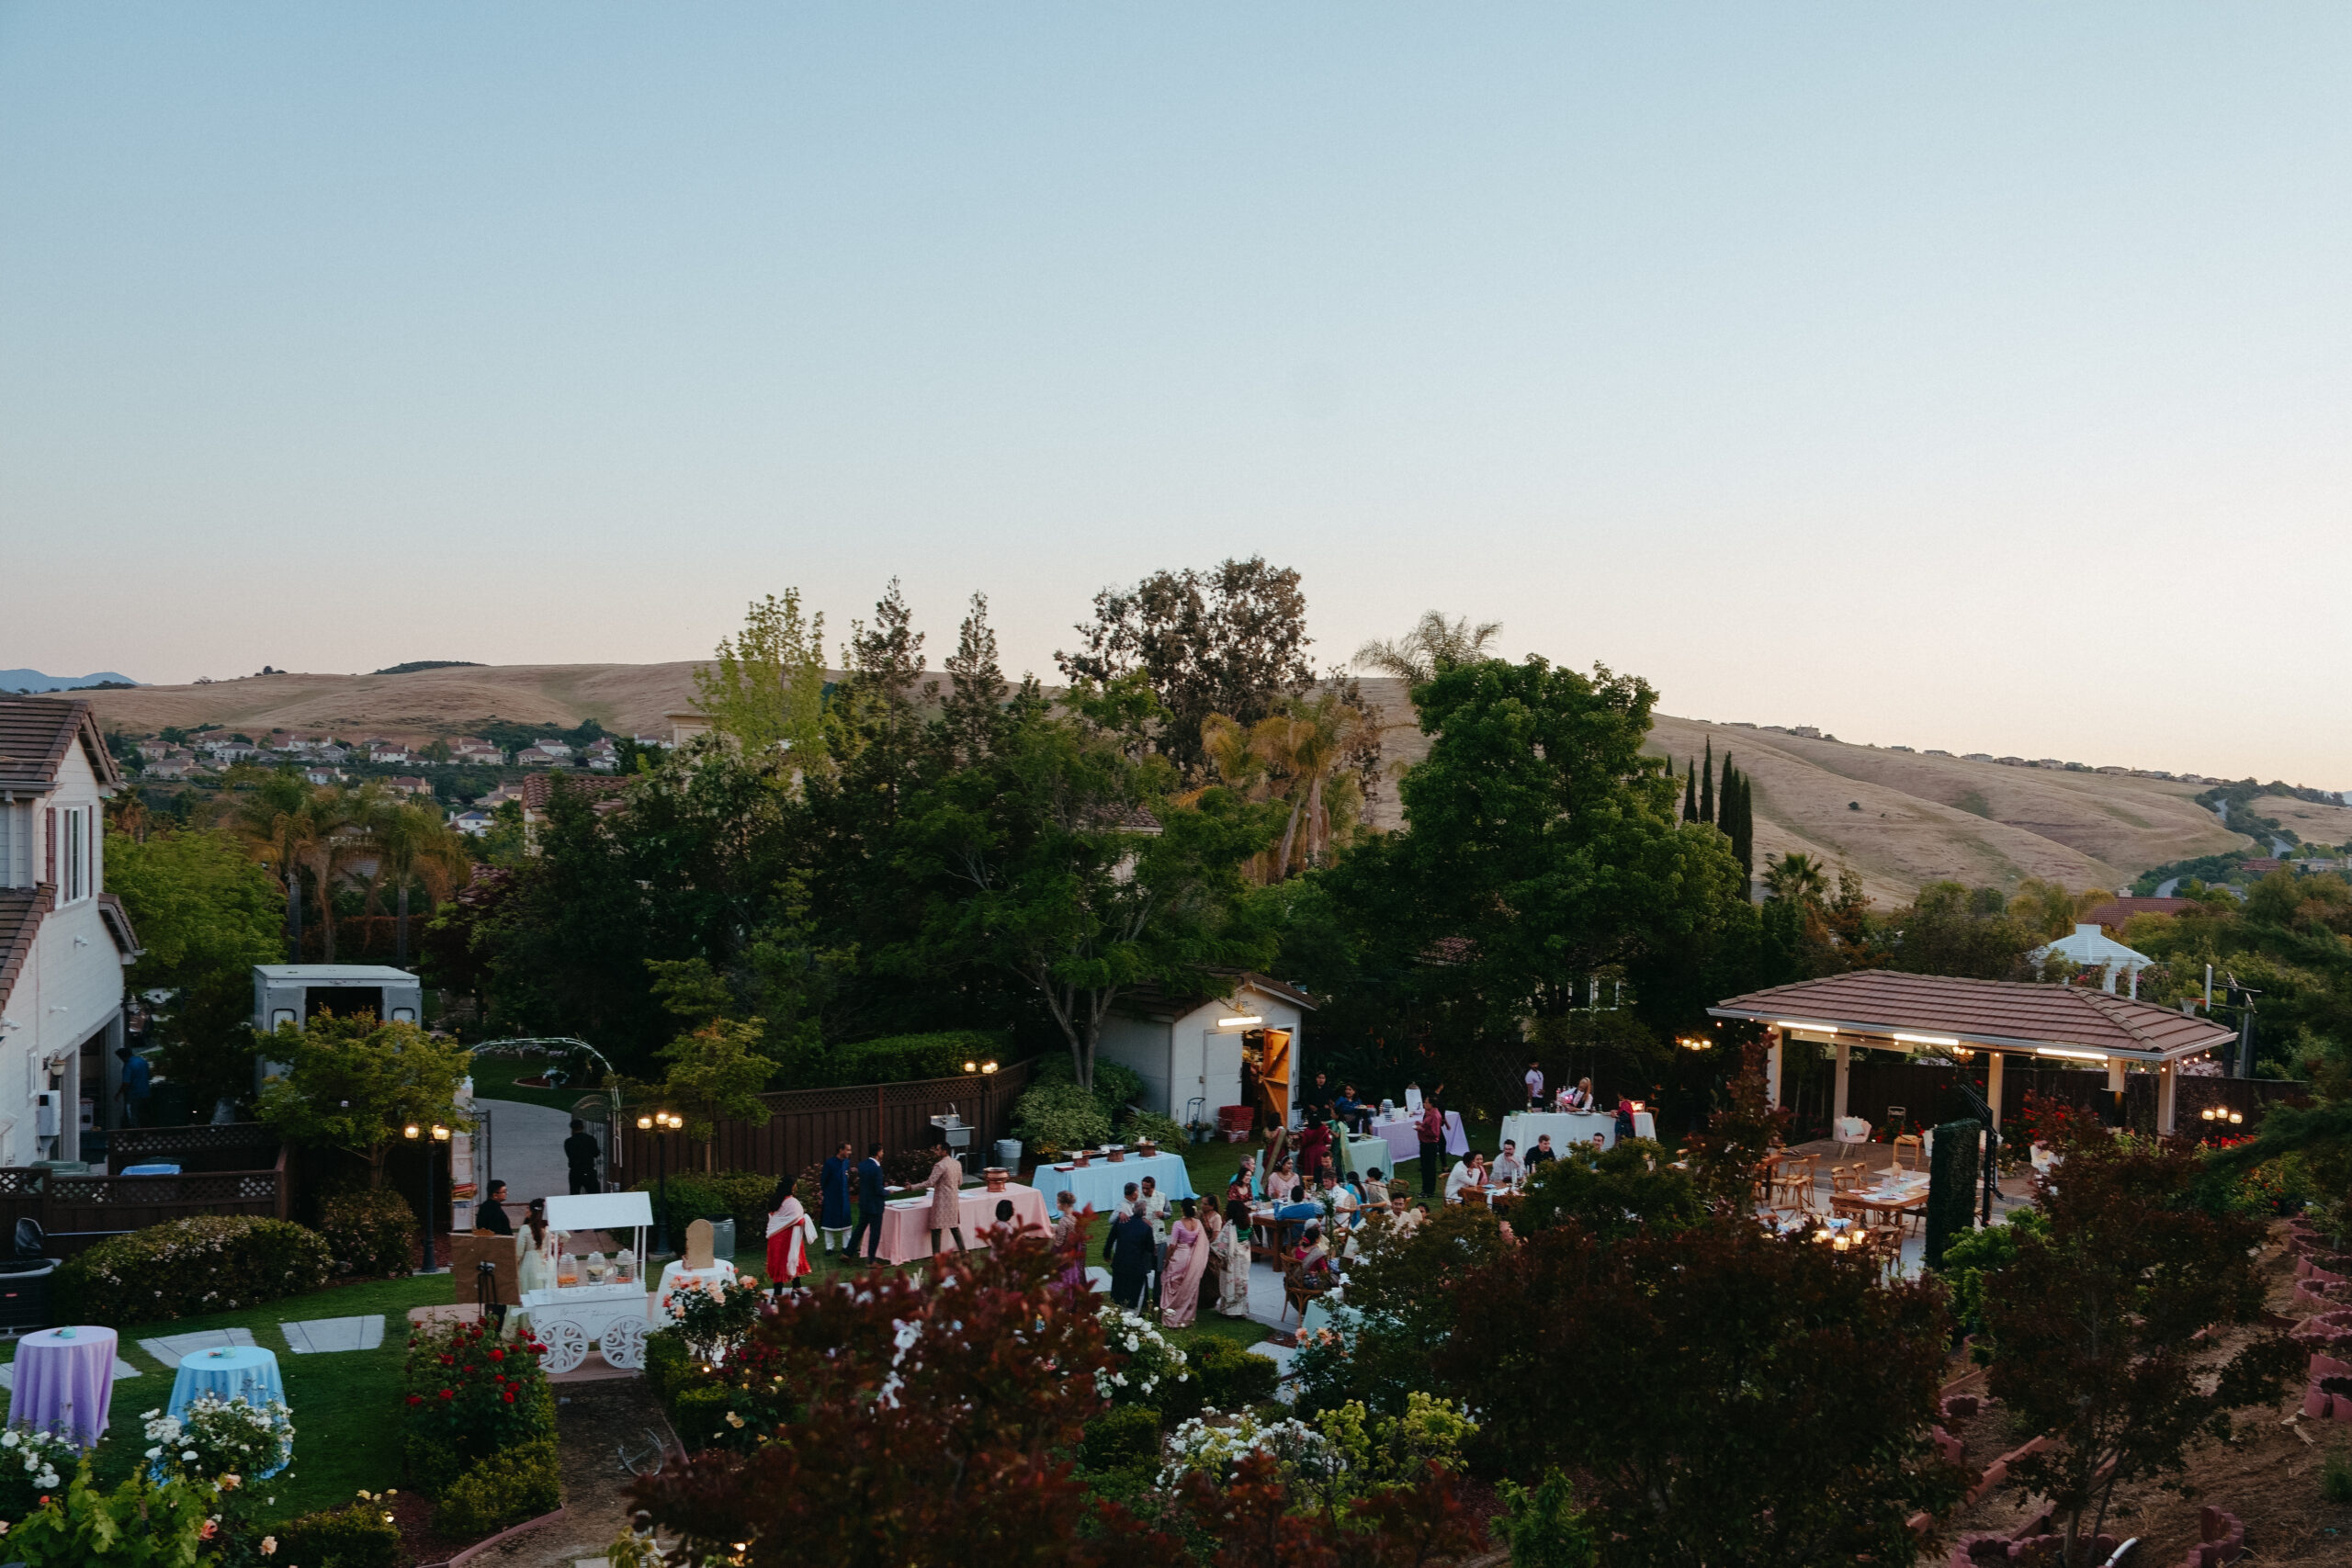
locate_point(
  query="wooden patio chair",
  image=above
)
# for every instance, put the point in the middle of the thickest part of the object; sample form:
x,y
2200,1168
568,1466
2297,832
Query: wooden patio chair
x,y
1845,1178
1296,1291
1794,1183
1918,1147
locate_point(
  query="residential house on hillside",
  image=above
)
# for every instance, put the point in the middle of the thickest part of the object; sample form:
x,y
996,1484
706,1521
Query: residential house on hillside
x,y
540,789
603,755
170,768
322,776
63,939
473,823
556,748
154,751
479,753
407,783
500,796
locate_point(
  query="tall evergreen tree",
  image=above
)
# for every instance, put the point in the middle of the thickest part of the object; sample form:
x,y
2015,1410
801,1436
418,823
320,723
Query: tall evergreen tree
x,y
972,713
1707,783
1690,794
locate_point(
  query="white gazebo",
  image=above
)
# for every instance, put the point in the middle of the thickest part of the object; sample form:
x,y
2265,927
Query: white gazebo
x,y
2091,948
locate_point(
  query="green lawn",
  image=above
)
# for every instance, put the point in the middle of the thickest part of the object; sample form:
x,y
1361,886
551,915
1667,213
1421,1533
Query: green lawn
x,y
344,1435
495,1079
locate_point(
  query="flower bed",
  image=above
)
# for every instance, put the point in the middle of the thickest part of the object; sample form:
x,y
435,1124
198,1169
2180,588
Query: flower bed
x,y
185,1268
480,1428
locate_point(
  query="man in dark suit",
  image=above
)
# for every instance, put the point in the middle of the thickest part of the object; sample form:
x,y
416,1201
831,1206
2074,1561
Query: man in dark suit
x,y
491,1216
869,1205
581,1153
1131,1248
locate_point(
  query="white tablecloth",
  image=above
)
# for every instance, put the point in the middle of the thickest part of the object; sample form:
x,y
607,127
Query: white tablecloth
x,y
674,1275
1099,1186
1566,1128
1403,1139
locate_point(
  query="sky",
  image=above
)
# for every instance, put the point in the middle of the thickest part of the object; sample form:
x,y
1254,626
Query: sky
x,y
1962,376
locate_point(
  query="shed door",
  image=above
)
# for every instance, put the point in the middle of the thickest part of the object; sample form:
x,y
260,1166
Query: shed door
x,y
1219,1084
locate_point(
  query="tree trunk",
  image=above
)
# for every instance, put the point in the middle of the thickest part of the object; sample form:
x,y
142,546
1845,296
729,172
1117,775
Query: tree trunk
x,y
1290,832
293,913
400,930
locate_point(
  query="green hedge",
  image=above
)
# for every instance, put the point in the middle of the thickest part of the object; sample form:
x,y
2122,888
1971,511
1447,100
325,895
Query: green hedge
x,y
370,1233
358,1536
706,1195
1123,1436
188,1268
1231,1377
503,1490
903,1059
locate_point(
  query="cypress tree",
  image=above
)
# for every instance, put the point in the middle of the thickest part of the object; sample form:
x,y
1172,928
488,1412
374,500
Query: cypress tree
x,y
1707,783
1690,794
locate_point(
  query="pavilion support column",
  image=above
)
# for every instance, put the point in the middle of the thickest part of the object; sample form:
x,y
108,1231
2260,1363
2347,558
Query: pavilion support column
x,y
1837,1104
2115,1075
1772,1068
1994,1063
2168,1079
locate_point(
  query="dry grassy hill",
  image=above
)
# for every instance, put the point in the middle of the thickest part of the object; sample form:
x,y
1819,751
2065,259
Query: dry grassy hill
x,y
1920,818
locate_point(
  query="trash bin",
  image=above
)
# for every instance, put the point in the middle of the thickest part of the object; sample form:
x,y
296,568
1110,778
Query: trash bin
x,y
1008,1153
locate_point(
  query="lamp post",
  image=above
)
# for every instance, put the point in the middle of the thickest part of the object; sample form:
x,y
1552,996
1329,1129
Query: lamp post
x,y
662,1122
440,1134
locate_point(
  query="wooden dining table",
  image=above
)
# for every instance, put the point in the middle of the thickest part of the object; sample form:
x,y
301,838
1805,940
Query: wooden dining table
x,y
1889,1202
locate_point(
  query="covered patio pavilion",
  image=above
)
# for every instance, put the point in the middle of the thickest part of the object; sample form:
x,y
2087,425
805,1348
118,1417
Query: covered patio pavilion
x,y
1945,1016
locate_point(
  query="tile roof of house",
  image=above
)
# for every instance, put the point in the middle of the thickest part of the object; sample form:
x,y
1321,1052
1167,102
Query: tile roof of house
x,y
537,788
21,910
1989,1012
35,734
2115,911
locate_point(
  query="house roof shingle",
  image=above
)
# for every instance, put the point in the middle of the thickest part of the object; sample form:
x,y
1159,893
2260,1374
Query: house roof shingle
x,y
36,733
1982,1012
21,911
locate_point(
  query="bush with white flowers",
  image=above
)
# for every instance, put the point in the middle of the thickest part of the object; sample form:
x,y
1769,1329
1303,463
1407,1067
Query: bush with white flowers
x,y
1145,1357
32,1464
1213,1445
214,1439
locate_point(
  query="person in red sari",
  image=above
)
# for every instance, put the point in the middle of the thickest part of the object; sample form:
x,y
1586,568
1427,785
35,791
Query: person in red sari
x,y
789,1232
1314,1145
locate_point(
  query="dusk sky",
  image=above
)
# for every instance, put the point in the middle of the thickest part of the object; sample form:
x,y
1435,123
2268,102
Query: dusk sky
x,y
1965,376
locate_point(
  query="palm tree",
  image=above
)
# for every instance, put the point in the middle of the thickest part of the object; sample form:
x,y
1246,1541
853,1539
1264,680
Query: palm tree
x,y
1798,878
1433,644
1311,744
275,820
413,844
340,836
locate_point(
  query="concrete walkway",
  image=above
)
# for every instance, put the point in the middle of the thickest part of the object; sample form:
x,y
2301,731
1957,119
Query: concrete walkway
x,y
527,1150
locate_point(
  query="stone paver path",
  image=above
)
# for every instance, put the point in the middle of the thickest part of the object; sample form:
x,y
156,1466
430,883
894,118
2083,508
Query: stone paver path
x,y
173,1347
323,1336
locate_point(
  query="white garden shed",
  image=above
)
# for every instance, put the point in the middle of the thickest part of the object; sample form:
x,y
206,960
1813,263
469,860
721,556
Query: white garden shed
x,y
1197,1056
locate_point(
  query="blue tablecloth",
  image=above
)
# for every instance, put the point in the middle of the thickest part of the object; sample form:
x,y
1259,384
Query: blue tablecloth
x,y
159,1168
240,1372
1101,1184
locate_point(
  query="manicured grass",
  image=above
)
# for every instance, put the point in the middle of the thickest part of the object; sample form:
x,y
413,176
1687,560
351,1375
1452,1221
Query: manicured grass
x,y
495,1079
346,1434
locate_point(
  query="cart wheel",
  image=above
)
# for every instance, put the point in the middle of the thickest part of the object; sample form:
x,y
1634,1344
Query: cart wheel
x,y
567,1345
624,1342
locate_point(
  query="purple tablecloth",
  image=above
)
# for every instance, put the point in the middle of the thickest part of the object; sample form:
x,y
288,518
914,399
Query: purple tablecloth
x,y
64,1384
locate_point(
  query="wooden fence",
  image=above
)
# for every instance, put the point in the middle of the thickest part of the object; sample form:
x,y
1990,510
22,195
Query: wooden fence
x,y
78,1211
805,1126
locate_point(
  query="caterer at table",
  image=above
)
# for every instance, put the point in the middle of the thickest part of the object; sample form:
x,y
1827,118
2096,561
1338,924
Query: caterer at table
x,y
791,1230
946,1184
832,1211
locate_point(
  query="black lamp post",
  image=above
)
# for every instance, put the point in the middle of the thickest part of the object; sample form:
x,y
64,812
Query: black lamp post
x,y
440,1134
663,1123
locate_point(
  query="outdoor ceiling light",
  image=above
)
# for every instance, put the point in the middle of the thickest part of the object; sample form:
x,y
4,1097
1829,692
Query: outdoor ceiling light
x,y
411,1130
1816,1028
1246,1021
1928,1039
2077,1056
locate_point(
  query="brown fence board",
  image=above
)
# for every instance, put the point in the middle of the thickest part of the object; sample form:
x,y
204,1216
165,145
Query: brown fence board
x,y
805,1126
78,1211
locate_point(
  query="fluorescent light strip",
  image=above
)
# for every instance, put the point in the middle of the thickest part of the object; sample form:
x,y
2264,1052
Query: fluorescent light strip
x,y
1815,1028
2077,1056
1247,1020
1928,1039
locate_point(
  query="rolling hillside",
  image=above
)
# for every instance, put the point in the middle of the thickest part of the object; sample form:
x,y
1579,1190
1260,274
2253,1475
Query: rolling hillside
x,y
1898,819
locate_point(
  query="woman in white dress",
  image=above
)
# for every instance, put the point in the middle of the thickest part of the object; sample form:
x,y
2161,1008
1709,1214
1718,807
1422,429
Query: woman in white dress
x,y
1233,1257
537,1247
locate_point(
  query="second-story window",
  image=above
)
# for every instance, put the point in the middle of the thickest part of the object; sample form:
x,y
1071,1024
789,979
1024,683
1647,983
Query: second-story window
x,y
73,852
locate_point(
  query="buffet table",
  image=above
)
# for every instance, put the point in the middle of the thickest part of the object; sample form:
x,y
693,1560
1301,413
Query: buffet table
x,y
1101,1184
1569,1127
1403,1139
907,1223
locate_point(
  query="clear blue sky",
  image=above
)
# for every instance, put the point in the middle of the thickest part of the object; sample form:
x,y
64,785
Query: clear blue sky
x,y
1973,376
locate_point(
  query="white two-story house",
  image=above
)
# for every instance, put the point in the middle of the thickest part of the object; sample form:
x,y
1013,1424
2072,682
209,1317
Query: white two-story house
x,y
63,939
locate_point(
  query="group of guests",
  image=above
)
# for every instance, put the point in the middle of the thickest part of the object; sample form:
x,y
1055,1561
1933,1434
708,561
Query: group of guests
x,y
1568,1097
1175,1255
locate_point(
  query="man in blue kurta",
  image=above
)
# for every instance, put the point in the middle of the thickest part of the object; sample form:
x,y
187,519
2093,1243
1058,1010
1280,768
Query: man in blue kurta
x,y
833,1209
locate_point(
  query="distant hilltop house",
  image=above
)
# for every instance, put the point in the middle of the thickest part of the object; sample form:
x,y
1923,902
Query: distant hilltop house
x,y
603,755
555,748
2262,865
171,768
500,796
321,776
386,754
64,939
538,757
538,792
407,783
479,753
473,823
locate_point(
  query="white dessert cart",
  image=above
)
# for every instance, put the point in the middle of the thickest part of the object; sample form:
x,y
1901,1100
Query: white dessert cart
x,y
567,1319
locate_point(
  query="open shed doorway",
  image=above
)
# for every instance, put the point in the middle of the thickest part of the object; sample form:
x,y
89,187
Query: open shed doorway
x,y
1265,1058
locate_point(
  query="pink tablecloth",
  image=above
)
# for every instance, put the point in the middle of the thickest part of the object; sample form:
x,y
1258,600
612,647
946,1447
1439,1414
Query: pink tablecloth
x,y
64,1382
1404,1142
906,1226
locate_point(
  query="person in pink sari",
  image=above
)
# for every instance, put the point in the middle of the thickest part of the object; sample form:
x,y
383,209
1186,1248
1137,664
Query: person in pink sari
x,y
1187,1259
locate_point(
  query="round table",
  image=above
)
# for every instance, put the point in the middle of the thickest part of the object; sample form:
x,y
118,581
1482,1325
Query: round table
x,y
232,1372
65,1382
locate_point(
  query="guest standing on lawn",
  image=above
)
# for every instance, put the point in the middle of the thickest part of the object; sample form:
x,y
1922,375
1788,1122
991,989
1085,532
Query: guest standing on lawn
x,y
1180,1281
870,1205
1130,1251
790,1233
536,1245
1233,1257
947,1182
833,1208
1433,1136
580,1156
1314,1145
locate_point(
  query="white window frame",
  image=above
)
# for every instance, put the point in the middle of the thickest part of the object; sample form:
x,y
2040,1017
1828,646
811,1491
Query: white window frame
x,y
74,869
